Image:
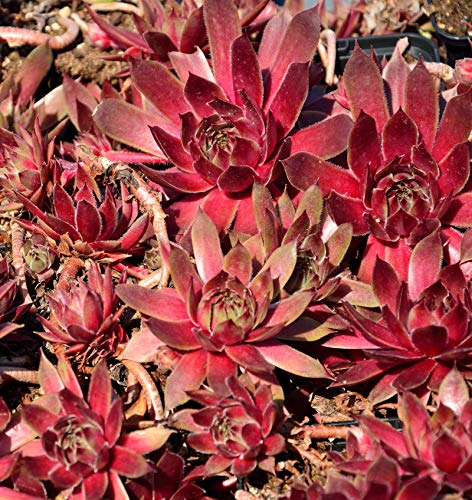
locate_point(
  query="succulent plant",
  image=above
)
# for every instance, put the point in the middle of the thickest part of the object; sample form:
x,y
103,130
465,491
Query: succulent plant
x,y
27,165
429,457
80,446
17,91
166,27
86,318
224,126
239,432
219,316
40,258
8,459
12,303
99,225
424,328
406,174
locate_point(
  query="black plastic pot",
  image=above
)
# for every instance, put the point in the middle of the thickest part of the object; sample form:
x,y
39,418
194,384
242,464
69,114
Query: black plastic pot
x,y
340,444
457,46
384,45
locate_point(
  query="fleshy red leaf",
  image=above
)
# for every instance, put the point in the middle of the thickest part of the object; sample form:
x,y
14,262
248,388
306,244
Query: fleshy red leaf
x,y
298,45
425,264
187,375
146,440
164,304
246,72
100,391
127,463
399,136
290,96
286,358
421,102
453,391
223,27
361,73
364,146
161,87
127,124
206,247
305,169
325,139
455,126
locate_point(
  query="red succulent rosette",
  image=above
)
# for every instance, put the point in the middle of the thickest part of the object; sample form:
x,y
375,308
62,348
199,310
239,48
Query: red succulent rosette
x,y
423,330
431,456
408,163
101,225
220,316
86,318
81,447
224,126
240,432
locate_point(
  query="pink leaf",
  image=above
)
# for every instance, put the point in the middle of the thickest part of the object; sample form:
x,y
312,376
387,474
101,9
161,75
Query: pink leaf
x,y
455,126
291,94
187,375
246,72
100,391
33,69
385,433
325,139
38,418
171,146
161,87
127,124
127,463
238,263
286,358
448,453
399,136
386,284
223,27
305,169
236,179
421,103
289,309
88,221
176,334
146,440
361,73
395,75
177,179
298,45
206,247
164,304
344,209
95,484
425,264
453,391
455,169
459,213
219,368
49,378
194,62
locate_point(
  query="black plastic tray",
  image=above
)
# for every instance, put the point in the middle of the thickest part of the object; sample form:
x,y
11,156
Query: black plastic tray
x,y
384,45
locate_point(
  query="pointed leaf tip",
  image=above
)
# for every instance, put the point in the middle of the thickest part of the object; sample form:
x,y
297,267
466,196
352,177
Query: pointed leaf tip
x,y
206,246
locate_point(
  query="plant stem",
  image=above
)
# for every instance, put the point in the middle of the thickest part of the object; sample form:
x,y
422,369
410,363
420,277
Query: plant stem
x,y
19,374
70,270
16,37
148,385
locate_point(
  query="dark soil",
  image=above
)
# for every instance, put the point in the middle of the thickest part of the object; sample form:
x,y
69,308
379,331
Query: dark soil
x,y
453,15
